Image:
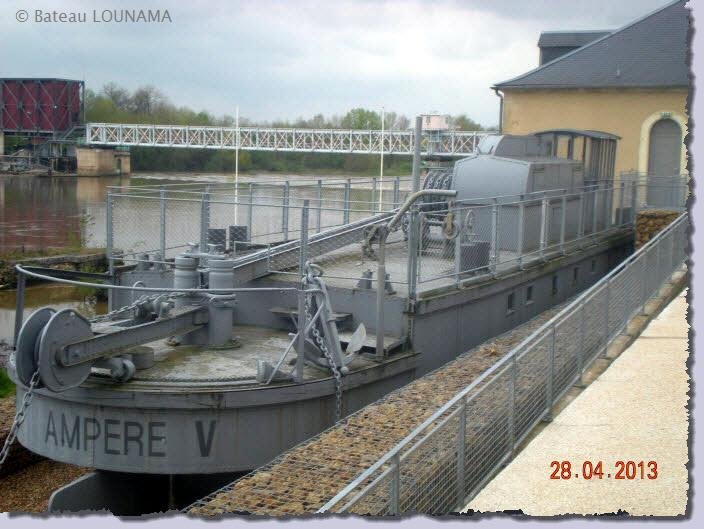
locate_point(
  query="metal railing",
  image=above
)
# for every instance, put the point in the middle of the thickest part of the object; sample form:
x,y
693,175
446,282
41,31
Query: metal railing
x,y
446,143
446,460
441,245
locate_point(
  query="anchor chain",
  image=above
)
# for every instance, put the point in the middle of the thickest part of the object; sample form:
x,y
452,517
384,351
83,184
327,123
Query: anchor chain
x,y
331,362
19,417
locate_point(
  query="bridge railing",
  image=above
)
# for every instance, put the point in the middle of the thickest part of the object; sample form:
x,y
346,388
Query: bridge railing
x,y
440,466
444,143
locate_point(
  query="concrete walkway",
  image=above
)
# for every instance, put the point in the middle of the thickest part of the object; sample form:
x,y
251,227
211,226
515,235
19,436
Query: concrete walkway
x,y
635,410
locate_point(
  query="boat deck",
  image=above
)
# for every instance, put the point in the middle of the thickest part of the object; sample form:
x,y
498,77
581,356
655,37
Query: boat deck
x,y
196,366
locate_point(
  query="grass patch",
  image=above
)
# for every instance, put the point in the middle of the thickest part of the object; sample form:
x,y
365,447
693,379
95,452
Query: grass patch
x,y
6,385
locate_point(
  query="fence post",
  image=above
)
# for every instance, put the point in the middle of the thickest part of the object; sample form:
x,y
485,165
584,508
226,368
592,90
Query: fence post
x,y
644,281
607,333
634,201
461,447
512,405
413,249
346,214
284,210
19,307
551,376
250,213
204,219
621,203
302,258
320,204
373,207
109,247
594,213
521,229
380,291
494,236
397,191
563,223
162,224
394,493
543,225
580,220
580,349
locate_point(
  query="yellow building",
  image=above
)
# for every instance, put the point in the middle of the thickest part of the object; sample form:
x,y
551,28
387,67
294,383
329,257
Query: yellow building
x,y
632,82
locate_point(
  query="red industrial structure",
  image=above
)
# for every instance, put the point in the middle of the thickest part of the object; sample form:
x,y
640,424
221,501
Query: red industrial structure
x,y
40,106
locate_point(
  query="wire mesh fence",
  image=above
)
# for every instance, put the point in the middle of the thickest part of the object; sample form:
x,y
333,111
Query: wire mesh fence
x,y
438,244
444,462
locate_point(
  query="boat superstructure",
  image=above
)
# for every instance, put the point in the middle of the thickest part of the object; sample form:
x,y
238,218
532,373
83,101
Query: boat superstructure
x,y
246,319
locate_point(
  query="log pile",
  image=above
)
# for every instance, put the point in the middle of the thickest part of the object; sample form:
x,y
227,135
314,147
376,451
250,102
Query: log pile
x,y
650,222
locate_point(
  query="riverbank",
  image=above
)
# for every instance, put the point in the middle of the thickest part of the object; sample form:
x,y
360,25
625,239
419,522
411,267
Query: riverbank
x,y
82,259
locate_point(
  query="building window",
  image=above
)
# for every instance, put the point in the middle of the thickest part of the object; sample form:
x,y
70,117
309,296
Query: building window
x,y
554,285
529,294
511,303
593,266
575,276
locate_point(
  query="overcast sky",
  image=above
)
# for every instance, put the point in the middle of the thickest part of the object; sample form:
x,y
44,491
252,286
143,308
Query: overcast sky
x,y
285,59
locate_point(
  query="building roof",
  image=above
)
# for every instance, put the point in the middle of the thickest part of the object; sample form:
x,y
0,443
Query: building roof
x,y
650,52
570,39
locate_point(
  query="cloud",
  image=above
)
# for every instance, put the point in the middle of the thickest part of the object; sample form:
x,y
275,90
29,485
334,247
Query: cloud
x,y
284,59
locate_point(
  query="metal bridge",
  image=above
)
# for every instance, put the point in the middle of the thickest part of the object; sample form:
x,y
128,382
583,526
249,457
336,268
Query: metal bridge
x,y
433,143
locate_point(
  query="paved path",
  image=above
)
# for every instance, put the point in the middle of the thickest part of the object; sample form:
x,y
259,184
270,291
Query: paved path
x,y
636,410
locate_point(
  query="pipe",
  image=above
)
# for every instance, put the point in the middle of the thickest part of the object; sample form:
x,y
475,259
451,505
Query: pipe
x,y
414,197
383,232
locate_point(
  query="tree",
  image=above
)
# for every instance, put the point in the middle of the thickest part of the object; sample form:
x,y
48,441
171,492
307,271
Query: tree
x,y
118,95
462,122
361,118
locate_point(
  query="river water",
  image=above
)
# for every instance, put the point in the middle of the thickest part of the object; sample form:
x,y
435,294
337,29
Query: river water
x,y
37,213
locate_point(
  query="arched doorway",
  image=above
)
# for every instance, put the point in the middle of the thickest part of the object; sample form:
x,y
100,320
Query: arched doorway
x,y
665,148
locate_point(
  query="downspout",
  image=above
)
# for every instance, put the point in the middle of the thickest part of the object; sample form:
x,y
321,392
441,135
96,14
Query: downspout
x,y
501,110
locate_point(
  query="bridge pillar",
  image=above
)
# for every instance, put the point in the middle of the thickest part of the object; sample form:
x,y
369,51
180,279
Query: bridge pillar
x,y
102,162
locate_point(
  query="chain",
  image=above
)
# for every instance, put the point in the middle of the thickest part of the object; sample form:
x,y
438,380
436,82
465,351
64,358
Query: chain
x,y
331,362
19,417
